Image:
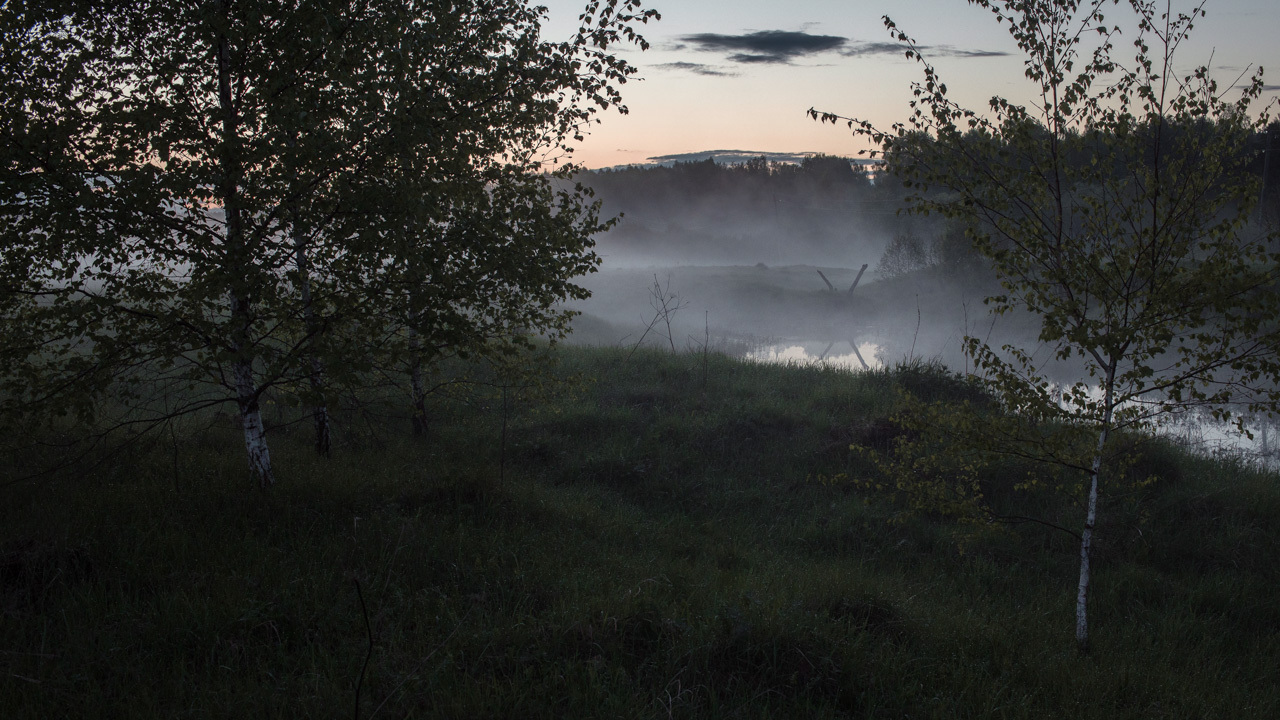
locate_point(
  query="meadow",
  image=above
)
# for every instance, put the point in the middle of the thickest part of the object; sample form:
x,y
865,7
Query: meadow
x,y
652,535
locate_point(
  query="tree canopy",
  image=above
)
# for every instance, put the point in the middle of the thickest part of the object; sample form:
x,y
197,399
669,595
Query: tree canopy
x,y
243,195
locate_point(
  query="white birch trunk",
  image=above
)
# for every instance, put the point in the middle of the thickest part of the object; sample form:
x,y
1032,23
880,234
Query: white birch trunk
x,y
1091,517
255,433
255,436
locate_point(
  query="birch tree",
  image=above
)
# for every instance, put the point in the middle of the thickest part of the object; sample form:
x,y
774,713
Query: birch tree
x,y
1116,208
464,241
191,191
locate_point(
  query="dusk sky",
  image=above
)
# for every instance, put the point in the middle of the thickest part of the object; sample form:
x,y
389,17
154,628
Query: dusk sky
x,y
740,74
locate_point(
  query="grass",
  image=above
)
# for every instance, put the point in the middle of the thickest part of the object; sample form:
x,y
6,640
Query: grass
x,y
657,547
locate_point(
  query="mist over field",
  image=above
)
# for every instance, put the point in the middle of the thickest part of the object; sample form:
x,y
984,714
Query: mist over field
x,y
758,259
822,211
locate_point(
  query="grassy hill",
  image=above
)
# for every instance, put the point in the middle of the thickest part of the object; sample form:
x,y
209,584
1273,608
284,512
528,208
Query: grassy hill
x,y
651,538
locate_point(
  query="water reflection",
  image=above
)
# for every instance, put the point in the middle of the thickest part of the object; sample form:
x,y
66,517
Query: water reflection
x,y
863,356
1204,434
1195,429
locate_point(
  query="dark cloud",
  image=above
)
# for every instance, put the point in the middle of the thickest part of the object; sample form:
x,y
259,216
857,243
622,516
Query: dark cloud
x,y
745,58
780,47
765,46
874,48
889,48
696,68
1270,88
948,51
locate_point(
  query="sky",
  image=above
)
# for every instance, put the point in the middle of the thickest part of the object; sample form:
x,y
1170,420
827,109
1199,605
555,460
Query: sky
x,y
741,74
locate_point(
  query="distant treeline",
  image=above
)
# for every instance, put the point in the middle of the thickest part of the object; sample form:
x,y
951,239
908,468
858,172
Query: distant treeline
x,y
781,212
819,178
825,209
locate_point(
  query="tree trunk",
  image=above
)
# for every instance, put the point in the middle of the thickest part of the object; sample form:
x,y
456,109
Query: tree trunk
x,y
237,260
319,411
255,434
1091,517
417,386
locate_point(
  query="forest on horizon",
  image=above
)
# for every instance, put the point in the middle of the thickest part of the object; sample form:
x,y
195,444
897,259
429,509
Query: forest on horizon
x,y
825,210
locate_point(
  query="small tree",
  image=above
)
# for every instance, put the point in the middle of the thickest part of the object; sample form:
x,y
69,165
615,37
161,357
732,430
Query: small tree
x,y
1116,209
906,253
462,242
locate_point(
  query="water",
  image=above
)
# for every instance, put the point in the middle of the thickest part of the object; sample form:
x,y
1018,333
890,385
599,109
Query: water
x,y
1195,430
1204,434
866,356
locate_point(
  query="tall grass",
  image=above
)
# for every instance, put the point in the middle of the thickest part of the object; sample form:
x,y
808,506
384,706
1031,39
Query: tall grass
x,y
658,546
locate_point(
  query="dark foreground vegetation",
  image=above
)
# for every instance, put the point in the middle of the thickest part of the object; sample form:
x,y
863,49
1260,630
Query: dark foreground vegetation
x,y
659,537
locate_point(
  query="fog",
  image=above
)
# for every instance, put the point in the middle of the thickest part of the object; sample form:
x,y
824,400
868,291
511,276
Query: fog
x,y
760,309
786,314
759,261
751,268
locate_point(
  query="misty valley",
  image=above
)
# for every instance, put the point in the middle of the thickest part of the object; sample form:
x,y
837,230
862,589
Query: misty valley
x,y
780,256
335,381
805,282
